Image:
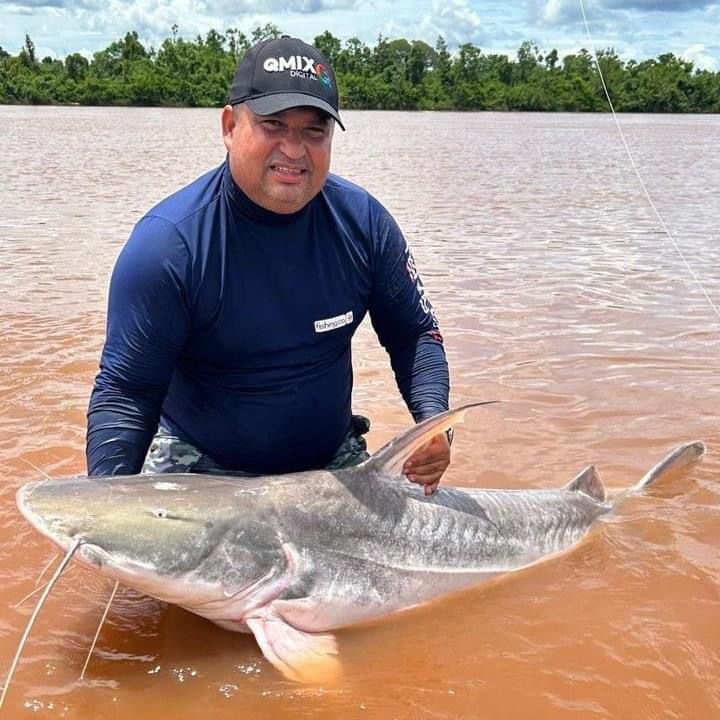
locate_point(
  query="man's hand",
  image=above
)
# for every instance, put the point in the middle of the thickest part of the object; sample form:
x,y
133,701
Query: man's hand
x,y
428,463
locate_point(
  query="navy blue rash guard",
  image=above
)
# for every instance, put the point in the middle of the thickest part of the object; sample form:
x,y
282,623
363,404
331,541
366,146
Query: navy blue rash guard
x,y
232,325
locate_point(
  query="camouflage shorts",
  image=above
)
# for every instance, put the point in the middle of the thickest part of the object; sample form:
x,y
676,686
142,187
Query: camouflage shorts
x,y
169,454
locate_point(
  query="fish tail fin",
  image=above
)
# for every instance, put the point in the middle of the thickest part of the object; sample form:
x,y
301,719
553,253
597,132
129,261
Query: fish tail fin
x,y
678,459
390,459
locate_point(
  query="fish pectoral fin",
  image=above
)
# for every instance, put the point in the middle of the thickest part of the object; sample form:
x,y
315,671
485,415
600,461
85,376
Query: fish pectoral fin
x,y
298,655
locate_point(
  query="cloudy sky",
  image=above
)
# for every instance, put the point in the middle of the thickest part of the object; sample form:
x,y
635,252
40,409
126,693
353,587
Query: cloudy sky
x,y
635,28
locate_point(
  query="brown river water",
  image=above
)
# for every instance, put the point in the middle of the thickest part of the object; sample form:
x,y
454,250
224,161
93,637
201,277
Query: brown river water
x,y
558,293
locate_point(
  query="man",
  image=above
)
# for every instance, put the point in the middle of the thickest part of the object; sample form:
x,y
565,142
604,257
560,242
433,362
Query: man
x,y
233,304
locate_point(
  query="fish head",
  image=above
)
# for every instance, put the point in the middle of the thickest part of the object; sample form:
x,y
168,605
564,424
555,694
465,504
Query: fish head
x,y
146,530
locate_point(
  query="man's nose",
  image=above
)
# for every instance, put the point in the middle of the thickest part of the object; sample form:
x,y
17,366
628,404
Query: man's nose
x,y
292,145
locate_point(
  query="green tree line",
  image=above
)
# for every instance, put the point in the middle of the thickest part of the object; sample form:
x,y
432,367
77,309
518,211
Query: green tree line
x,y
391,75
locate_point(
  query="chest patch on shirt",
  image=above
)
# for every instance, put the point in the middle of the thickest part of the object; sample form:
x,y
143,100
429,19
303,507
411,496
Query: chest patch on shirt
x,y
333,323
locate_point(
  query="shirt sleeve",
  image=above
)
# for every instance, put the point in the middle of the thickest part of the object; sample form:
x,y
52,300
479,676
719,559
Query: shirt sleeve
x,y
406,324
147,326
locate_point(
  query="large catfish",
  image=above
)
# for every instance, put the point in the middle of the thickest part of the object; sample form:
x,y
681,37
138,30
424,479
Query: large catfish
x,y
292,557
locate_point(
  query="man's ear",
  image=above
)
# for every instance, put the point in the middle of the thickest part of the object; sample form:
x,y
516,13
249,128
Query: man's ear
x,y
228,123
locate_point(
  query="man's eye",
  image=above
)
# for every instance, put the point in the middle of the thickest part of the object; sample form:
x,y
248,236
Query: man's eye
x,y
272,124
316,132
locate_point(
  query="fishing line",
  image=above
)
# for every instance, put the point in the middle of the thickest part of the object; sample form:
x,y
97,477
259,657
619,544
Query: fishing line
x,y
635,168
52,559
37,583
47,567
35,467
29,595
97,634
34,616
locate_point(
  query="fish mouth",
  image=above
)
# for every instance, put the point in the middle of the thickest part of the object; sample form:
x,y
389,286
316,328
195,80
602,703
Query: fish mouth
x,y
53,528
23,499
23,492
64,534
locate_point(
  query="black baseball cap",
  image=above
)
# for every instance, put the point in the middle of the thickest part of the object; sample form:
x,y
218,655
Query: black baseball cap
x,y
284,73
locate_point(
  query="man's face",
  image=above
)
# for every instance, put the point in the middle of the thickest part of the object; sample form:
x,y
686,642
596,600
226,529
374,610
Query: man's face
x,y
279,161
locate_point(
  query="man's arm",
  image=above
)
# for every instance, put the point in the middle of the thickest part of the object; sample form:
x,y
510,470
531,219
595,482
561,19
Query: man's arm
x,y
148,323
405,322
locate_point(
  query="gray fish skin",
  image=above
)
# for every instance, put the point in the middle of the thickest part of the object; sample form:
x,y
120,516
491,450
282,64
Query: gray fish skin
x,y
291,557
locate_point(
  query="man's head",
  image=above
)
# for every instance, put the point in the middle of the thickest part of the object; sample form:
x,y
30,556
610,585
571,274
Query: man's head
x,y
278,124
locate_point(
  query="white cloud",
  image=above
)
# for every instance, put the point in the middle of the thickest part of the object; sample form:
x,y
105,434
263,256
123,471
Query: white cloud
x,y
701,57
559,11
456,13
456,20
265,7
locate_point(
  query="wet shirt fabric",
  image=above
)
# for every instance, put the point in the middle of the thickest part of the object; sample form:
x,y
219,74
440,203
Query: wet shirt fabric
x,y
231,325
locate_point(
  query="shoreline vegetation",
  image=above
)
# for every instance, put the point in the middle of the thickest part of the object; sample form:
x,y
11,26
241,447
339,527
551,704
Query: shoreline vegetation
x,y
392,75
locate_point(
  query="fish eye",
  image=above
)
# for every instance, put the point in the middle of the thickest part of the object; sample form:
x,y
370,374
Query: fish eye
x,y
160,513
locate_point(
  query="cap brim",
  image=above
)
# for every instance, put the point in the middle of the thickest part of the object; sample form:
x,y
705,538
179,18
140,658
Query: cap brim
x,y
270,104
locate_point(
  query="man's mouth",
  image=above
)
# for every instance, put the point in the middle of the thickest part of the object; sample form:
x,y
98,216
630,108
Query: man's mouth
x,y
288,171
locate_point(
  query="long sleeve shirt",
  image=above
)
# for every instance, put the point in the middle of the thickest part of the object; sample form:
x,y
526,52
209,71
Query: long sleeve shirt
x,y
232,325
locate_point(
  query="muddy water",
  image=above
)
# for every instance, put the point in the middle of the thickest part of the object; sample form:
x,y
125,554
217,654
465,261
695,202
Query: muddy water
x,y
557,293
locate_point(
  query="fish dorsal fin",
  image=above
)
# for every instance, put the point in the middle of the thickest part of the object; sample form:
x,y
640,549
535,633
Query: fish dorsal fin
x,y
390,459
588,481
